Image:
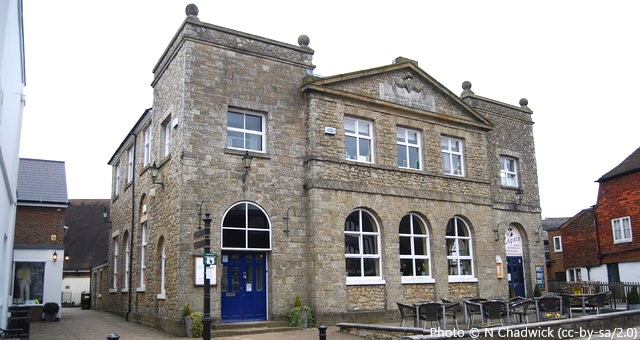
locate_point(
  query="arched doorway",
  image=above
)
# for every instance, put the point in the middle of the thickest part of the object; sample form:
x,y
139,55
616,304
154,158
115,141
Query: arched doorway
x,y
246,237
515,263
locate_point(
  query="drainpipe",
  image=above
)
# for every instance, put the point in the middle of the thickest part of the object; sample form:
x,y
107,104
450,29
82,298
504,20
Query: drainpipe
x,y
133,223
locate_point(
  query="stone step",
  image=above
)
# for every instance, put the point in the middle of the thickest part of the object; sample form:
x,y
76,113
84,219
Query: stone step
x,y
245,328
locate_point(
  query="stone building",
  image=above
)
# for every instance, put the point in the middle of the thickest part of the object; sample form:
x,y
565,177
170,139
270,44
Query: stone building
x,y
364,189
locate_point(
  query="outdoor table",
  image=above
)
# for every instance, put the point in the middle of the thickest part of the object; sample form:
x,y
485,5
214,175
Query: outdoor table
x,y
583,300
416,321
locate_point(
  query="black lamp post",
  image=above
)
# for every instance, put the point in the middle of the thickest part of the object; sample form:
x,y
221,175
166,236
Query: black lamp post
x,y
206,317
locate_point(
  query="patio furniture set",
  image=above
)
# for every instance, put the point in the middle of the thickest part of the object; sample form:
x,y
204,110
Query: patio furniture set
x,y
496,311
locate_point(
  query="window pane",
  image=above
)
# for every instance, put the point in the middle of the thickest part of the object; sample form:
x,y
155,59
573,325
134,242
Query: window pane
x,y
365,150
422,266
418,228
235,120
511,165
444,143
464,247
368,224
456,165
363,128
352,147
420,246
465,267
451,228
253,123
406,267
257,219
353,267
453,267
451,247
400,133
369,243
235,139
260,278
455,145
446,163
29,283
405,245
371,267
402,156
462,229
405,225
351,244
235,217
414,158
259,239
412,137
349,125
253,142
233,238
352,223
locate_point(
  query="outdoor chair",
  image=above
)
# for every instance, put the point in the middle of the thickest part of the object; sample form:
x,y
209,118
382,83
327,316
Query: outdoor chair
x,y
16,334
451,310
494,310
406,311
519,309
430,312
599,301
473,307
549,307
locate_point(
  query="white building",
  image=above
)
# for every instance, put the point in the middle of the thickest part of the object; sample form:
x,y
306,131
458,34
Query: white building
x,y
12,82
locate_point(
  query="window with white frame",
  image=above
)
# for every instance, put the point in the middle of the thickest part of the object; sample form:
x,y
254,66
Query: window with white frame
x,y
246,131
130,165
414,249
459,249
143,251
452,156
166,136
127,250
114,278
146,158
409,150
622,230
508,172
358,140
557,244
246,226
116,178
161,264
362,248
574,274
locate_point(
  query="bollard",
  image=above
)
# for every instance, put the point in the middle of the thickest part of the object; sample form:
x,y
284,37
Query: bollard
x,y
322,332
113,336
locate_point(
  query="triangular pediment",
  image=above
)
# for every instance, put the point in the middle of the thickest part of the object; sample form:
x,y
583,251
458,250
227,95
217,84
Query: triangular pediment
x,y
403,86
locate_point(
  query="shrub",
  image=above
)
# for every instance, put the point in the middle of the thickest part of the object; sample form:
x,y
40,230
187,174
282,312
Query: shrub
x,y
295,315
186,310
536,291
196,327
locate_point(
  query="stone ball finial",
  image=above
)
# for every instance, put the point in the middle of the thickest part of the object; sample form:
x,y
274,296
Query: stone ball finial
x,y
466,85
303,41
191,10
524,102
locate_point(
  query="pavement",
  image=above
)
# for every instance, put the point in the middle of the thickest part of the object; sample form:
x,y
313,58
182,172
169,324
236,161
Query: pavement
x,y
86,324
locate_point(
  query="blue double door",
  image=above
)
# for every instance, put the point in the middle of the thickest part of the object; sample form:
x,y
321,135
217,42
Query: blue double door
x,y
243,286
515,269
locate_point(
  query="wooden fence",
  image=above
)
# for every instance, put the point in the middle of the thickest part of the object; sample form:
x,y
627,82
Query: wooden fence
x,y
619,290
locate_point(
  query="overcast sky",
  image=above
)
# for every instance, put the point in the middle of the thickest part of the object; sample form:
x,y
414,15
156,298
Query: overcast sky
x,y
89,63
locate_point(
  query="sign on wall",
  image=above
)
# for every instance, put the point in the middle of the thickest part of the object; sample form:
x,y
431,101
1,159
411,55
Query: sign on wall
x,y
513,242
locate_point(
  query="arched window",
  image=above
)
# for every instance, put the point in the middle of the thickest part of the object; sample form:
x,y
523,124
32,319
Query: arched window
x,y
362,248
459,250
246,226
162,260
415,261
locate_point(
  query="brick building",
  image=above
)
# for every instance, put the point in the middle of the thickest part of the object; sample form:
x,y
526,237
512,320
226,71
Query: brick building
x,y
364,189
38,242
554,253
579,240
618,220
